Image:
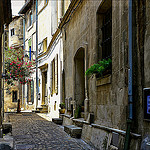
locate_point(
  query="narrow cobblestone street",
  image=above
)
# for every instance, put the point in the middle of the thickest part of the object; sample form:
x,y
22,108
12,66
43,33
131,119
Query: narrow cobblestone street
x,y
31,131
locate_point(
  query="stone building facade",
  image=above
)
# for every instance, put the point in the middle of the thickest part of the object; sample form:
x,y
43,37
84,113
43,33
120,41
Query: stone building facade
x,y
13,38
28,12
96,30
49,54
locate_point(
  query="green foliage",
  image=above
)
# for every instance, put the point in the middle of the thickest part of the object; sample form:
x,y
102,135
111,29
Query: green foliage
x,y
16,68
77,112
62,105
100,68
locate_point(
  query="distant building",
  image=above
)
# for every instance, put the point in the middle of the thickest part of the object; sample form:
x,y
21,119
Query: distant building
x,y
13,37
49,57
28,12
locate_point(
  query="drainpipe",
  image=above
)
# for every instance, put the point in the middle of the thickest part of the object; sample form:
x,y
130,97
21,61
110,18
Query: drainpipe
x,y
37,84
86,101
130,98
3,66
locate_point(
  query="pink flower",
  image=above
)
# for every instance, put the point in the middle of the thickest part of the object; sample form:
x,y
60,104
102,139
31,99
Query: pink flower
x,y
10,63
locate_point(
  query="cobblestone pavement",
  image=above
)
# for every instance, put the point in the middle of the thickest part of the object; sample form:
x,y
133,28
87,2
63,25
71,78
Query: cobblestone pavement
x,y
31,131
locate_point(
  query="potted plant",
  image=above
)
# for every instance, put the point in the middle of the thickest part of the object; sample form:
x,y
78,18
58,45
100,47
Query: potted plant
x,y
101,69
62,106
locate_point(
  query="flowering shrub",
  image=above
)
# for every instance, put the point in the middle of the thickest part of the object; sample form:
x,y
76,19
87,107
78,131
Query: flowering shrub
x,y
16,68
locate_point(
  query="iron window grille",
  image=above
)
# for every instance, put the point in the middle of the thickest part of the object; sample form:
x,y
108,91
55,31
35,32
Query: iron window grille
x,y
107,35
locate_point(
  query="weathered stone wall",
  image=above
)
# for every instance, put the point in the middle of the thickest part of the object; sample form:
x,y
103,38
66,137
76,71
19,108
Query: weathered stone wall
x,y
17,38
144,20
9,105
108,96
141,65
108,101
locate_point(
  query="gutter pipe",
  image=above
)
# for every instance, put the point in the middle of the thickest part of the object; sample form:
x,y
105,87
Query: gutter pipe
x,y
130,96
37,84
3,68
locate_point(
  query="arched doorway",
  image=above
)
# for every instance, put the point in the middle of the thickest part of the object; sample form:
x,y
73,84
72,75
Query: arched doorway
x,y
79,60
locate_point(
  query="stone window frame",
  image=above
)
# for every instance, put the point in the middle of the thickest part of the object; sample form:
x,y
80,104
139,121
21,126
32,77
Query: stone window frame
x,y
30,18
105,6
12,31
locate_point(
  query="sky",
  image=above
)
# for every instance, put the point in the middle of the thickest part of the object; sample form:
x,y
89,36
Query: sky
x,y
16,5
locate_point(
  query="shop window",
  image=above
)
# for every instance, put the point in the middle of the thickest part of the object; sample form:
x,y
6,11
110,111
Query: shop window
x,y
14,96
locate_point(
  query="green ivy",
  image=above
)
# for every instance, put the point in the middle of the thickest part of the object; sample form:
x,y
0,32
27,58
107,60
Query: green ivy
x,y
99,68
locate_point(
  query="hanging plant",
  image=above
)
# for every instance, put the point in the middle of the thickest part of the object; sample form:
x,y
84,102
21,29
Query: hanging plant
x,y
100,69
16,68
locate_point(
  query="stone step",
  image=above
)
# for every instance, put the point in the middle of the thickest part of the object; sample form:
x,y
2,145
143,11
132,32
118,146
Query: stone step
x,y
7,127
39,108
57,120
44,106
43,111
36,111
73,131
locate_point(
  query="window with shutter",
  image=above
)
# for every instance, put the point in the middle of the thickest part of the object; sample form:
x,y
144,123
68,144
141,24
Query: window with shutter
x,y
32,91
53,74
51,77
27,92
56,74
